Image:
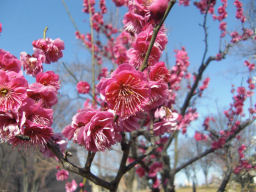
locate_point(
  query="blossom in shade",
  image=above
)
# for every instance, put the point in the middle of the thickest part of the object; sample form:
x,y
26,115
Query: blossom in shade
x,y
62,175
59,140
79,120
140,171
200,136
99,133
130,124
8,126
32,64
52,49
158,94
71,186
168,121
34,122
126,91
154,169
13,89
9,62
83,87
33,135
48,78
159,72
47,95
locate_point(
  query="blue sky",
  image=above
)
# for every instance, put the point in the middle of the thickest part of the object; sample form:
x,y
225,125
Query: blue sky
x,y
24,21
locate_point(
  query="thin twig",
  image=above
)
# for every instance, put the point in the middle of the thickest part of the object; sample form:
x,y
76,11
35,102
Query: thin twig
x,y
93,54
156,30
211,150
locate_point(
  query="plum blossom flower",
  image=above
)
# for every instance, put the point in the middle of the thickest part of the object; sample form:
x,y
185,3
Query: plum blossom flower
x,y
62,175
79,121
159,72
93,129
47,95
154,169
169,121
8,126
83,87
99,134
158,94
126,92
32,64
52,49
0,27
141,44
59,140
130,124
71,186
35,122
13,89
157,8
200,136
119,3
9,62
48,78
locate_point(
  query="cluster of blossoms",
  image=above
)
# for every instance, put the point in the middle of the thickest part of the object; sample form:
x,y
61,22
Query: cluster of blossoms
x,y
244,166
129,95
26,114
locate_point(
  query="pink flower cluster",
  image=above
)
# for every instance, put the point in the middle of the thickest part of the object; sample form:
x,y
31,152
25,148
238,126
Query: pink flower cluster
x,y
45,51
239,11
93,129
25,109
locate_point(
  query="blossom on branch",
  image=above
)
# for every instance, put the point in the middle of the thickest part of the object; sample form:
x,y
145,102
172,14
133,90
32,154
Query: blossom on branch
x,y
52,49
126,91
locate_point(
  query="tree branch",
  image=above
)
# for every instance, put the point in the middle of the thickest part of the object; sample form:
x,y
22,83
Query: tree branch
x,y
211,150
156,30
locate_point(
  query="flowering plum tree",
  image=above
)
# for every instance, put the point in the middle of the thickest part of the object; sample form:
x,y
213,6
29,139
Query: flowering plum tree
x,y
134,105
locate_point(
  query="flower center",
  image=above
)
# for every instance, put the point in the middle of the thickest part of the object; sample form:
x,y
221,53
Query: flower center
x,y
3,92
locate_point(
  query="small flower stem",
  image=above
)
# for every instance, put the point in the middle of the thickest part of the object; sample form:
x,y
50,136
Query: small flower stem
x,y
45,30
93,55
156,30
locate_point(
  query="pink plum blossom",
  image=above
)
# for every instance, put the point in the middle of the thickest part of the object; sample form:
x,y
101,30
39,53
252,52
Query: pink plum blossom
x,y
8,62
119,3
52,49
32,64
71,186
157,8
13,90
48,78
126,92
83,87
168,121
93,129
99,133
8,126
62,175
47,95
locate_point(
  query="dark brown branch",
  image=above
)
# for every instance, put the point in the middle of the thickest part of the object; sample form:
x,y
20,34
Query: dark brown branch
x,y
138,160
75,169
89,160
121,171
211,150
156,30
225,181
